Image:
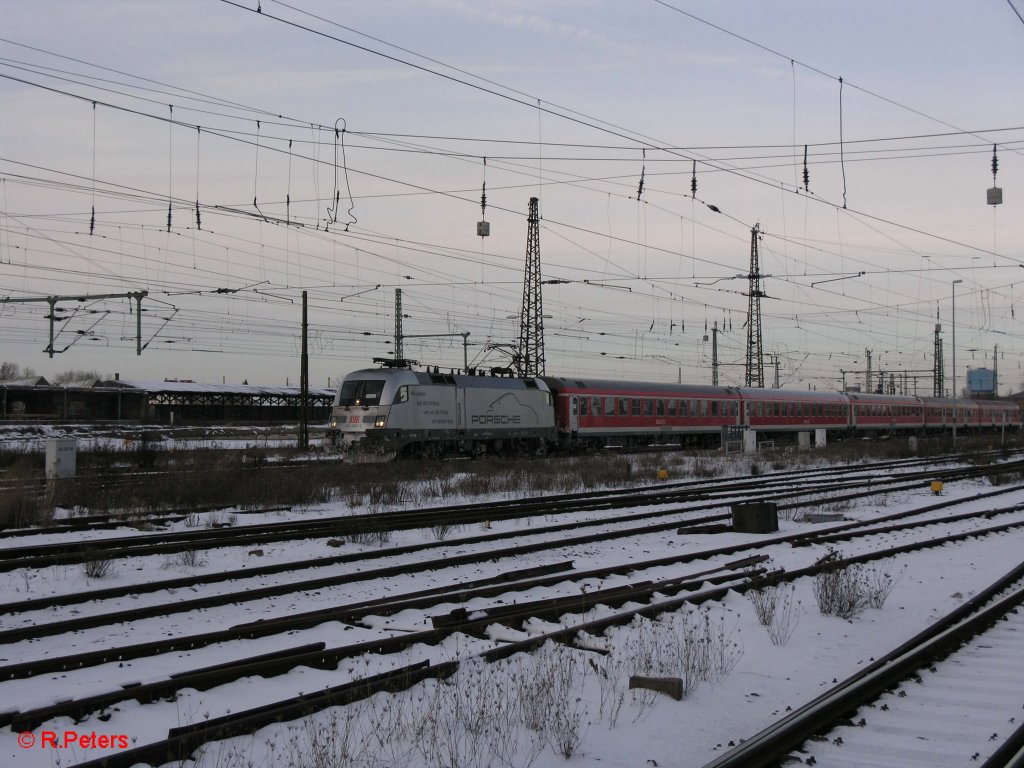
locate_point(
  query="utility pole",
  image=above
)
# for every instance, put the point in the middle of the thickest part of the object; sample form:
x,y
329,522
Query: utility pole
x,y
399,353
938,367
867,373
776,361
953,323
531,322
304,383
714,354
755,352
995,371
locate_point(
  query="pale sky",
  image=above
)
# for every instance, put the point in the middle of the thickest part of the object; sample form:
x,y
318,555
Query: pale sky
x,y
569,101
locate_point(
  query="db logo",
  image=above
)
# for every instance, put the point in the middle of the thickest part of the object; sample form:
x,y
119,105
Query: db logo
x,y
353,419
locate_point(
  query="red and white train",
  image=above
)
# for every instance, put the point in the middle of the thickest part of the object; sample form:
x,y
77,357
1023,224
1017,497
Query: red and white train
x,y
415,413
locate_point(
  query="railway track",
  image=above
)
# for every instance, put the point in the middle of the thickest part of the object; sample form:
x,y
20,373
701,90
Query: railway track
x,y
242,589
649,600
110,521
819,482
520,600
319,657
949,696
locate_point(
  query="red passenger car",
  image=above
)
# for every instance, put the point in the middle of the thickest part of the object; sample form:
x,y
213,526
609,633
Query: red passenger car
x,y
780,410
597,412
885,412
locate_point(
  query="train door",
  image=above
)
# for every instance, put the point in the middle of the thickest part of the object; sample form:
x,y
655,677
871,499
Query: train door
x,y
574,414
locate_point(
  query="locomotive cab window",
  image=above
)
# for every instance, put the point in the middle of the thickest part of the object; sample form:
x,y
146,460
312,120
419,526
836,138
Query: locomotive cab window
x,y
402,395
361,392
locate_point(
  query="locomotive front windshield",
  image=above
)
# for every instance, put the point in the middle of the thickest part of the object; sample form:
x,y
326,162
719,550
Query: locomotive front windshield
x,y
361,392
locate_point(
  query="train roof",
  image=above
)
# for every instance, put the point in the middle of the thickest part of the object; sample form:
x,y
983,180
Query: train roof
x,y
614,387
756,393
961,402
407,376
864,397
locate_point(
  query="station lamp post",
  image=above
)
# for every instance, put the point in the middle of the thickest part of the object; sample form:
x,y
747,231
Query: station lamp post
x,y
954,358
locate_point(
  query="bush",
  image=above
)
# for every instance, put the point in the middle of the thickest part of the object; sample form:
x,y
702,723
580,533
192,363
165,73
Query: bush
x,y
98,568
775,608
846,591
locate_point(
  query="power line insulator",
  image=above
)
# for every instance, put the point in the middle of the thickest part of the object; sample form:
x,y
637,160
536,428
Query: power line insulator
x,y
994,194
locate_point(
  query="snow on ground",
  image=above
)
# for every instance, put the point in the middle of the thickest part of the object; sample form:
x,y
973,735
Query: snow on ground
x,y
651,730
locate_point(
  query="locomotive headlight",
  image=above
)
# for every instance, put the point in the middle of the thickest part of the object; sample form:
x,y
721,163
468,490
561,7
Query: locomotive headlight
x,y
380,422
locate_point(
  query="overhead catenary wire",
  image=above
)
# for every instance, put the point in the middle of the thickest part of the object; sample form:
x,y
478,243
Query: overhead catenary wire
x,y
287,219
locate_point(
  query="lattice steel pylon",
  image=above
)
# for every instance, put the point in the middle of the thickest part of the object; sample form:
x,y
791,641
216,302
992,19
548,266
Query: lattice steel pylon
x,y
755,349
938,367
399,351
531,319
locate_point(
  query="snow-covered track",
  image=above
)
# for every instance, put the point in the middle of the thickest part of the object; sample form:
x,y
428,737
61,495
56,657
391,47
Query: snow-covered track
x,y
832,731
648,599
35,629
872,480
858,474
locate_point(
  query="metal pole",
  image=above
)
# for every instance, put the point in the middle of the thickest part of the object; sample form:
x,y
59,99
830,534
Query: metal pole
x,y
714,355
52,301
304,383
954,358
138,323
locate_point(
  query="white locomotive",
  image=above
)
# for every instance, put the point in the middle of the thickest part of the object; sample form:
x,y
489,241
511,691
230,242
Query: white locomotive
x,y
432,413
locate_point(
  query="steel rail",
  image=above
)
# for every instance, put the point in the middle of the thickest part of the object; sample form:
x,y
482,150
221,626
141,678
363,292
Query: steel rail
x,y
269,665
773,744
179,606
552,609
181,742
78,552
